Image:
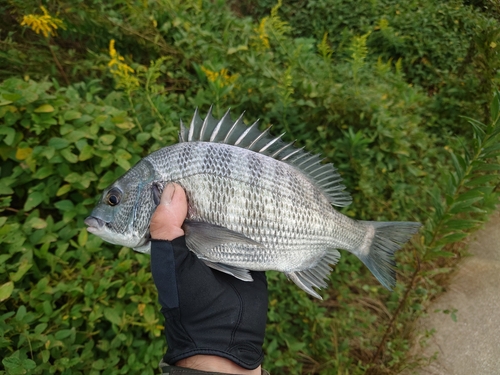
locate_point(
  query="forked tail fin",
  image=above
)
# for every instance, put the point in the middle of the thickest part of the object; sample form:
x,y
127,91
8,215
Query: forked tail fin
x,y
381,242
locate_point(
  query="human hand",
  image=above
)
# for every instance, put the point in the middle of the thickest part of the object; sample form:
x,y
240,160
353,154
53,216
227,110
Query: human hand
x,y
167,220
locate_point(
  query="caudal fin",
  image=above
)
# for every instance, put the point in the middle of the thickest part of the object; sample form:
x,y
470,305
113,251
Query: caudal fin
x,y
381,242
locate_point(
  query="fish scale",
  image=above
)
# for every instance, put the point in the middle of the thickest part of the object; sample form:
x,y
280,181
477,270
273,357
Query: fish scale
x,y
254,203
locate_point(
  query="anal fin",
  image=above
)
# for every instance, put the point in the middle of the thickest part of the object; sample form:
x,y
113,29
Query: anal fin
x,y
315,277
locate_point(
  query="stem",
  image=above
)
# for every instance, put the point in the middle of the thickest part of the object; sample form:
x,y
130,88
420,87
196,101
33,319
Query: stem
x,y
129,97
398,311
56,60
150,101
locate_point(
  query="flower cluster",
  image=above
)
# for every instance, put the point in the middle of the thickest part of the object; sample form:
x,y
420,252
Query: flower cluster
x,y
124,74
222,78
45,24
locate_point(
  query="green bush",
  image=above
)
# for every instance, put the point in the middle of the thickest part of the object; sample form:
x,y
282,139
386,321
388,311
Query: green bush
x,y
449,48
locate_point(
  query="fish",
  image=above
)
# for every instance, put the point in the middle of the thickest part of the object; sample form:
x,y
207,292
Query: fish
x,y
255,203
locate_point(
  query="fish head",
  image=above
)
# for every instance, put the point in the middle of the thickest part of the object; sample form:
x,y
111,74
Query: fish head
x,y
123,213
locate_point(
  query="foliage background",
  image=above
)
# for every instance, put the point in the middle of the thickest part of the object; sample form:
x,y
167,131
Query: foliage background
x,y
378,87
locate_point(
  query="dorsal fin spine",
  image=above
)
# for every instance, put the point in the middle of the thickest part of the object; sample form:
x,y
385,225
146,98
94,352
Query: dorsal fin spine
x,y
293,153
315,169
307,160
192,126
263,134
205,122
219,124
301,156
242,136
323,179
270,143
235,125
276,153
322,173
182,132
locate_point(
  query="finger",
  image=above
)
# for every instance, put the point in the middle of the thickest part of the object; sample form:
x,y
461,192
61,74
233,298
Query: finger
x,y
178,198
167,220
168,193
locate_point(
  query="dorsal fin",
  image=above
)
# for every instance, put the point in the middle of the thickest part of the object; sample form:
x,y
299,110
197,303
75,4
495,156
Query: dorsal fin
x,y
236,133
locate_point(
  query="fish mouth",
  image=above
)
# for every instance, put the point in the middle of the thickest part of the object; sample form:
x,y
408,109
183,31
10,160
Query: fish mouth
x,y
94,224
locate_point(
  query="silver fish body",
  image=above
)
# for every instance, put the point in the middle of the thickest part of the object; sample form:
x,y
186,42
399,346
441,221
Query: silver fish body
x,y
255,203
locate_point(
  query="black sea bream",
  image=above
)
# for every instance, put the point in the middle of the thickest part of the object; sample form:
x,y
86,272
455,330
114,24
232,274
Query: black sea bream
x,y
255,203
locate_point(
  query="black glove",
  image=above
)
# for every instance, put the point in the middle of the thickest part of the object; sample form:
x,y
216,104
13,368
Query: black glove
x,y
206,311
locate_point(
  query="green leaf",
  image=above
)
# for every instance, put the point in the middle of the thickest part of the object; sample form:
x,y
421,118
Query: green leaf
x,y
123,163
71,115
12,97
9,133
494,108
75,136
88,289
63,190
459,164
6,290
36,223
112,315
58,143
482,180
143,138
477,125
462,224
99,364
4,188
72,178
488,167
44,172
64,205
62,334
83,237
241,47
107,139
69,156
45,108
489,150
24,267
464,205
34,199
86,153
14,366
149,314
451,238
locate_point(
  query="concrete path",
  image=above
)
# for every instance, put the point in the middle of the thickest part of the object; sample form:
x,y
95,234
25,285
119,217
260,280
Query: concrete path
x,y
471,345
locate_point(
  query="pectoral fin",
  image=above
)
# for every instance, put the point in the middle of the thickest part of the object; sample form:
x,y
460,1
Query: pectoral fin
x,y
156,190
239,273
201,236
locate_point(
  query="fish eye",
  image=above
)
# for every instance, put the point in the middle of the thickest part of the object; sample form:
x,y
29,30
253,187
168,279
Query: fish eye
x,y
113,197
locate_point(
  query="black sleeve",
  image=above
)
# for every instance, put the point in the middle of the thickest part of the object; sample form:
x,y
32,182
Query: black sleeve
x,y
206,311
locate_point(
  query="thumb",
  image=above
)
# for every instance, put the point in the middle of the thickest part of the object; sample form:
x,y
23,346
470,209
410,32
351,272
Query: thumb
x,y
167,220
168,194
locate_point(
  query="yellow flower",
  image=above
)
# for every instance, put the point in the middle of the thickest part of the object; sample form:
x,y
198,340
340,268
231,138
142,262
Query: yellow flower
x,y
261,31
123,73
45,24
222,78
